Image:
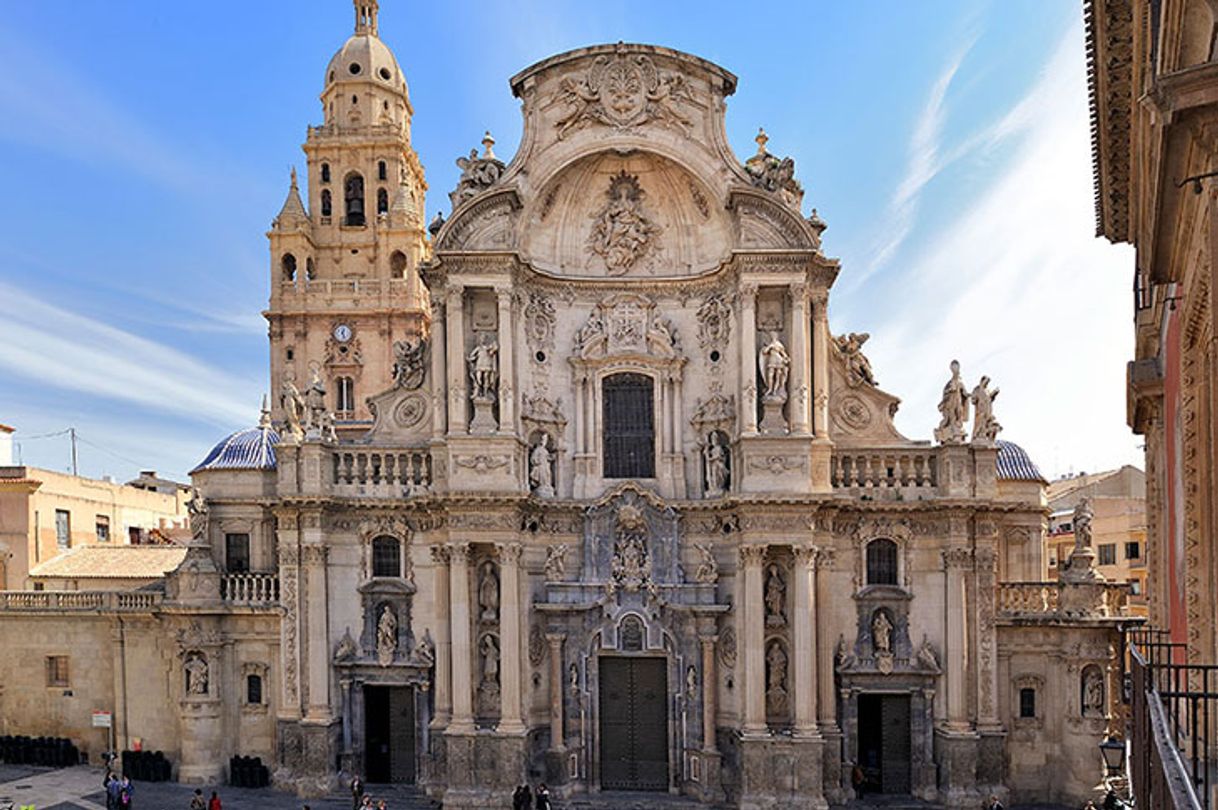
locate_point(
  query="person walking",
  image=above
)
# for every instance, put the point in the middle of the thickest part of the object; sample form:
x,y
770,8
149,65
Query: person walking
x,y
993,804
111,785
357,792
858,779
197,802
126,794
541,799
214,802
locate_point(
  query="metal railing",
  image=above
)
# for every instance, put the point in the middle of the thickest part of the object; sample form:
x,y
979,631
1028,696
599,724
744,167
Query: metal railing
x,y
1174,724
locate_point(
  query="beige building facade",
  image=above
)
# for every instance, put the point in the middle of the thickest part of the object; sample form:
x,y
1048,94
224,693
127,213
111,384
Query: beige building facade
x,y
581,488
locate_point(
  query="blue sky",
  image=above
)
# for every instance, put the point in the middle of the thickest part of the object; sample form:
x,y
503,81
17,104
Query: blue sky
x,y
147,147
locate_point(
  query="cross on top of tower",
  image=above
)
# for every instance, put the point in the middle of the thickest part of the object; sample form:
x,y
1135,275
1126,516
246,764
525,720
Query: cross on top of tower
x,y
365,17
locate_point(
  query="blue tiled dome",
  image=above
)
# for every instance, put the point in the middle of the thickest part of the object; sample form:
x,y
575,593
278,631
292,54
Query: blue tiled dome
x,y
1014,464
249,449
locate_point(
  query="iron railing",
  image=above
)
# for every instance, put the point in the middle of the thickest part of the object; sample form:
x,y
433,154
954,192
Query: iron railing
x,y
1174,721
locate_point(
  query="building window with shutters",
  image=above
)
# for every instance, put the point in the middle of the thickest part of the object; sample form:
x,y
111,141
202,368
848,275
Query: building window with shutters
x,y
253,689
1027,702
629,443
103,528
57,671
1107,553
63,528
237,553
344,398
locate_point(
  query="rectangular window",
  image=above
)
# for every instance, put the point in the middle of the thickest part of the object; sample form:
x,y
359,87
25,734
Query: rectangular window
x,y
134,535
103,528
1133,551
57,670
1108,554
237,553
1135,587
63,528
629,426
1027,702
253,690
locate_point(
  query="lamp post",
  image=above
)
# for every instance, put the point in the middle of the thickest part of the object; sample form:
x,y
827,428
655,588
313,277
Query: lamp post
x,y
1112,750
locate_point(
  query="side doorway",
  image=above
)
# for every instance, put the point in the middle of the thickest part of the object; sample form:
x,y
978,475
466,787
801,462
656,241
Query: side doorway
x,y
389,734
884,743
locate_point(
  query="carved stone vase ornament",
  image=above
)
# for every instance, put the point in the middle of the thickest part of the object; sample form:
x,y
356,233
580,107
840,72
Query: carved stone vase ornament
x,y
772,173
953,408
985,426
409,363
386,636
622,233
477,173
541,466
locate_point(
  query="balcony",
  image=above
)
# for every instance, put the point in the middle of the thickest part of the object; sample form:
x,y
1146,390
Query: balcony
x,y
254,590
386,473
913,470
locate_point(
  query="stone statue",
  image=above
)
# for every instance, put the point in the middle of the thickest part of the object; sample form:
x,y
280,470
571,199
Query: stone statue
x,y
926,655
196,507
773,173
293,408
691,682
345,650
490,659
573,679
881,632
386,636
708,569
858,367
622,234
775,597
1082,524
488,593
541,475
630,567
484,368
954,408
409,363
196,674
425,650
1093,693
985,426
477,173
842,655
715,461
776,674
775,364
556,562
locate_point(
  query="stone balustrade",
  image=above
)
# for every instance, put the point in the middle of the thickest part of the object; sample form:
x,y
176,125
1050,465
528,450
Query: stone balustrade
x,y
343,287
1017,599
1029,598
884,469
385,472
107,601
250,589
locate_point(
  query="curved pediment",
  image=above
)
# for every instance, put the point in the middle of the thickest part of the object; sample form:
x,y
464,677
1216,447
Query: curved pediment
x,y
860,413
639,215
486,222
762,222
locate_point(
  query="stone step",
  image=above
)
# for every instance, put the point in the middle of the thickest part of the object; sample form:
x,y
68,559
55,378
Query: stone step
x,y
631,800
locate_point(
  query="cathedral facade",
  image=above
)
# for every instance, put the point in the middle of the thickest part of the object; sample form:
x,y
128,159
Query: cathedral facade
x,y
578,486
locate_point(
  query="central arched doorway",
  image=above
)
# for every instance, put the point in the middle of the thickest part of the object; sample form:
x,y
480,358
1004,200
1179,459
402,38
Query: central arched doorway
x,y
633,723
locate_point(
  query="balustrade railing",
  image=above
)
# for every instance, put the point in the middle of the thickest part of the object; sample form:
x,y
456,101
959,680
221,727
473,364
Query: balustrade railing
x,y
884,469
79,600
392,473
250,589
1028,598
343,287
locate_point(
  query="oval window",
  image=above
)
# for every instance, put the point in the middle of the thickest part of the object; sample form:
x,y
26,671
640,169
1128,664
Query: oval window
x,y
354,68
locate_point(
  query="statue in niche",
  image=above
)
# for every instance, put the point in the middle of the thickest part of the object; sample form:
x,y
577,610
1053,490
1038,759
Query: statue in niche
x,y
691,682
1093,692
708,569
775,365
196,674
775,597
858,367
715,461
484,368
573,679
386,636
409,363
1082,524
622,234
953,407
541,475
556,562
490,659
881,633
292,402
776,677
985,426
488,593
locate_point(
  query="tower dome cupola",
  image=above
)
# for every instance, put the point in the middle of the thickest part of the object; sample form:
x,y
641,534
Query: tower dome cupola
x,y
363,57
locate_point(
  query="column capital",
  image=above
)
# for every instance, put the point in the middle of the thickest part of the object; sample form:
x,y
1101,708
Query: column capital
x,y
454,291
509,553
459,553
820,304
504,296
708,641
806,556
556,638
748,295
752,556
957,558
440,555
798,292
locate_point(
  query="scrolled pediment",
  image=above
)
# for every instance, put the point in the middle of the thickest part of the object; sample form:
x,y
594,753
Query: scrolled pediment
x,y
765,223
485,223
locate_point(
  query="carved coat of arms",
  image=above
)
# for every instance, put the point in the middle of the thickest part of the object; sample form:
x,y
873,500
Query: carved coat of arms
x,y
622,91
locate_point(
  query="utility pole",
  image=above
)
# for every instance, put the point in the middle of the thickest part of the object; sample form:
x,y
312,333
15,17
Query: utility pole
x,y
72,433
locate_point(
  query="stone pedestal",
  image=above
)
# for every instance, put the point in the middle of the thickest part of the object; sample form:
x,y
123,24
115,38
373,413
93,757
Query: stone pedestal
x,y
773,464
779,773
306,756
957,756
483,768
772,420
201,736
484,416
832,772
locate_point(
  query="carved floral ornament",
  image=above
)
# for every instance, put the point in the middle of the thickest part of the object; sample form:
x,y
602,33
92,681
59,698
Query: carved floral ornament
x,y
622,91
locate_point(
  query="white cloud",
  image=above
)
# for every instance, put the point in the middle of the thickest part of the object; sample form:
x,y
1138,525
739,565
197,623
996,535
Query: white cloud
x,y
1017,287
65,350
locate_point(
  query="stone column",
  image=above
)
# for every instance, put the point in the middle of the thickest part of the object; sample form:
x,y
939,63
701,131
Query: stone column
x,y
709,680
799,392
558,742
803,627
579,414
820,365
507,388
956,656
463,713
510,721
443,685
317,640
748,359
439,417
345,685
454,323
290,627
752,635
987,653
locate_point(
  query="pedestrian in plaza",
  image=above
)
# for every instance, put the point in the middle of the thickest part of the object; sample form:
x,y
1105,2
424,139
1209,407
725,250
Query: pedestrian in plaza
x,y
858,779
522,798
541,800
380,805
366,804
214,802
112,786
993,804
126,794
197,802
357,792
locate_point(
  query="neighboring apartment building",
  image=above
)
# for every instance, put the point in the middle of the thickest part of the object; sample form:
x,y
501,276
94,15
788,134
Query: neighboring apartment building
x,y
44,513
1118,499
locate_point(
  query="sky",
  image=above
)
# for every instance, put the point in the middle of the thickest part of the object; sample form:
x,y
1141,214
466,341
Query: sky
x,y
147,146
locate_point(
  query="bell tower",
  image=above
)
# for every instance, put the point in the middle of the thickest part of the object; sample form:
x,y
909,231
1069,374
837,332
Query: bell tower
x,y
344,269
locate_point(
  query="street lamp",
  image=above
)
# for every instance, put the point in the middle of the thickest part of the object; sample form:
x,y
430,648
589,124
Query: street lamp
x,y
1113,751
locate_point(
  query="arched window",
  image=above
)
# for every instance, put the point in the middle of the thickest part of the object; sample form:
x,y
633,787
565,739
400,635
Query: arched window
x,y
288,263
386,557
253,690
344,393
325,203
353,197
629,419
382,170
325,172
310,270
881,562
382,201
397,264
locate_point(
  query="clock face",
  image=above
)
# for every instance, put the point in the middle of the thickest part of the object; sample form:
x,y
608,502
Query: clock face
x,y
342,333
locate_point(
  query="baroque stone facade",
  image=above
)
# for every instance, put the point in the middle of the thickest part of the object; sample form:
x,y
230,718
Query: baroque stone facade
x,y
616,509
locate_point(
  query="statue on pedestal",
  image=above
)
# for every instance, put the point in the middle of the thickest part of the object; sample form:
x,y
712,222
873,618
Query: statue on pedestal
x,y
715,459
386,636
541,475
954,408
985,426
484,371
775,364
